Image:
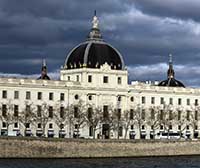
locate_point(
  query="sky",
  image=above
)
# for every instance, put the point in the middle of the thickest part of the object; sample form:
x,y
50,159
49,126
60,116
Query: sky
x,y
144,31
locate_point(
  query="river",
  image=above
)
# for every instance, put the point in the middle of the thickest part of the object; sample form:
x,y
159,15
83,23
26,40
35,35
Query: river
x,y
148,162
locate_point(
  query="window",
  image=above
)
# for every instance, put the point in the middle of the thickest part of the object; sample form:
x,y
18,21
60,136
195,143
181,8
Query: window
x,y
4,94
39,96
171,101
143,127
50,112
68,78
179,115
39,111
4,124
76,126
39,125
51,96
15,125
170,115
143,100
179,101
105,79
105,112
62,96
132,99
118,114
91,131
62,112
196,115
187,127
131,114
4,110
188,102
76,112
170,127
119,98
161,100
179,127
77,78
132,127
28,108
161,127
161,114
188,115
50,125
152,127
76,97
152,114
196,102
143,114
89,78
119,80
196,127
27,125
120,131
16,110
152,100
28,95
16,94
90,113
90,97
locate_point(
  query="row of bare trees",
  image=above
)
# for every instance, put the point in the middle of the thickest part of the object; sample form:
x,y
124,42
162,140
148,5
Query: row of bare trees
x,y
82,115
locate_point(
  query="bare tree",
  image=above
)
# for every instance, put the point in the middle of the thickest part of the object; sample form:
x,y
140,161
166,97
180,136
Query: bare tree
x,y
193,117
27,116
154,119
139,117
94,118
60,117
77,116
43,115
8,115
116,120
168,117
127,118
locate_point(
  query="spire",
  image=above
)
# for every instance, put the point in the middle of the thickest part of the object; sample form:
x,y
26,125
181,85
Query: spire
x,y
170,72
44,63
44,71
95,32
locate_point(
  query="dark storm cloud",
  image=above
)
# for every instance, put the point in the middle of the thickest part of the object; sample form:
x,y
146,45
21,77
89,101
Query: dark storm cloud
x,y
184,9
144,31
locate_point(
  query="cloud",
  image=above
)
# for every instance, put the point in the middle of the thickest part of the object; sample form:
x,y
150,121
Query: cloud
x,y
183,9
144,31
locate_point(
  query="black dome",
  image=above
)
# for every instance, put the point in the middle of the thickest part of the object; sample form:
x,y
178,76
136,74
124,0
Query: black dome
x,y
93,54
171,82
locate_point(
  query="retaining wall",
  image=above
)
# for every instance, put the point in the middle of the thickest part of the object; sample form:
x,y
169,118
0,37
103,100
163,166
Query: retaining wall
x,y
13,147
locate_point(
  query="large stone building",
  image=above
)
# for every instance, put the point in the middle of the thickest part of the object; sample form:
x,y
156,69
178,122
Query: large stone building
x,y
93,99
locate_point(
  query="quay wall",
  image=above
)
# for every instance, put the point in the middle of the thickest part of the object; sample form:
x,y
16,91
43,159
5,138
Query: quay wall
x,y
20,147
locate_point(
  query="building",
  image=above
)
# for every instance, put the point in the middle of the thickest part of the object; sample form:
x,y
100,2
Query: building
x,y
93,99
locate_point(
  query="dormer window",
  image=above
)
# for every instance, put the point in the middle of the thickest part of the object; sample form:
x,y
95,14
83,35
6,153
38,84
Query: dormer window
x,y
119,80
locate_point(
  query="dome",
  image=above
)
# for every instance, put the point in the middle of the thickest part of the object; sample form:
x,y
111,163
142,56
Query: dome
x,y
94,52
171,81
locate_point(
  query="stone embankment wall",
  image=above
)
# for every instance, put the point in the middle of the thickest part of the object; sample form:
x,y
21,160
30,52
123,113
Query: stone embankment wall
x,y
11,147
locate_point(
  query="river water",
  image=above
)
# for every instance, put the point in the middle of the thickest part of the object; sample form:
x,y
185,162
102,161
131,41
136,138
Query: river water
x,y
148,162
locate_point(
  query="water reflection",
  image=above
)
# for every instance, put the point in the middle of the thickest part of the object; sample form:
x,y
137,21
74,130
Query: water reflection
x,y
151,162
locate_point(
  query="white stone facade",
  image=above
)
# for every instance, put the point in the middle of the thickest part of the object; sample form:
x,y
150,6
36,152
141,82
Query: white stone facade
x,y
114,92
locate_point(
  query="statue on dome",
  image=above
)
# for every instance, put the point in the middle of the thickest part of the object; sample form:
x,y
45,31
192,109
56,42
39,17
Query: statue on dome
x,y
95,21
